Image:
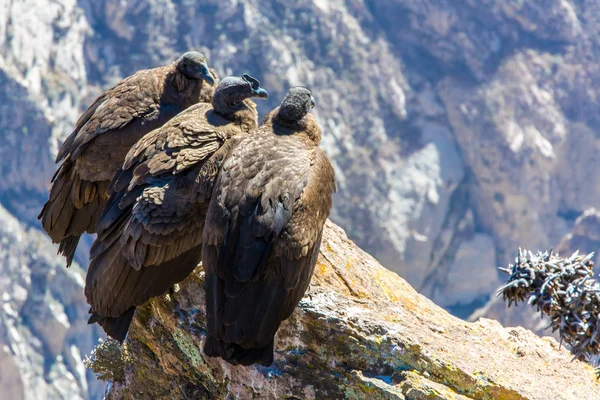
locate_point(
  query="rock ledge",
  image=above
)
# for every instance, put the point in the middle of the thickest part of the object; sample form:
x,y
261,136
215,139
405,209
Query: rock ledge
x,y
360,332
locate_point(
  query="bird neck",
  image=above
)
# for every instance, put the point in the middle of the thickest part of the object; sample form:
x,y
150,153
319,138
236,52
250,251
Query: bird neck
x,y
245,114
312,128
181,90
306,126
207,91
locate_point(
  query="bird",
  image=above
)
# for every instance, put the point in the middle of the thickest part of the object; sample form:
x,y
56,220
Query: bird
x,y
263,231
150,233
103,135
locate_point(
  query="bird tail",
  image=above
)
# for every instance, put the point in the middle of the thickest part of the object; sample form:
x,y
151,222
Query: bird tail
x,y
74,207
238,355
117,327
67,248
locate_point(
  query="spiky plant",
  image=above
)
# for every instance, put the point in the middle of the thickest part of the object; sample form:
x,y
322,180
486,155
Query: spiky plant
x,y
563,289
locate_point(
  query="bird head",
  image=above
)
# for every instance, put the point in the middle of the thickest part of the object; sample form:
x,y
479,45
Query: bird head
x,y
297,103
193,66
232,91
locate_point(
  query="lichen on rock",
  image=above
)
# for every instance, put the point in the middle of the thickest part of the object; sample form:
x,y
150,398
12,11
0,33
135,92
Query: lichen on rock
x,y
108,360
360,332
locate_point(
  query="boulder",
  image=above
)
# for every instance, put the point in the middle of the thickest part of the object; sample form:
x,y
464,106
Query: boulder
x,y
360,332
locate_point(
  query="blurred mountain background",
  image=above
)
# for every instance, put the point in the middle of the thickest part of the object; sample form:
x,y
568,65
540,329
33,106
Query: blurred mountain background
x,y
459,131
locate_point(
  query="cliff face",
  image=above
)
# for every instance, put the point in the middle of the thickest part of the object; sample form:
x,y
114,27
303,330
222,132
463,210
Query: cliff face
x,y
43,327
459,130
361,332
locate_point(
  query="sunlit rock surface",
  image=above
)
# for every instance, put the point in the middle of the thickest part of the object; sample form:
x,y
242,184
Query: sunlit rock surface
x,y
361,332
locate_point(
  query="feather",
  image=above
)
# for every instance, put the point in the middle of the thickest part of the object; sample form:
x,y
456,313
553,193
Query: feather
x,y
116,328
150,233
262,235
98,145
67,248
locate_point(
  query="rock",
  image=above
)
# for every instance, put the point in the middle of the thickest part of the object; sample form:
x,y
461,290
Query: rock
x,y
360,332
449,288
584,236
512,153
521,315
11,380
42,321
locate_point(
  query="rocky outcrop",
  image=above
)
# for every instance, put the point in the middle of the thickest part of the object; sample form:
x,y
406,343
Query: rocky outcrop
x,y
43,327
584,237
360,332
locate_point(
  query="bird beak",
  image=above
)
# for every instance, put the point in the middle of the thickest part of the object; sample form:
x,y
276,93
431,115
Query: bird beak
x,y
206,75
261,93
312,102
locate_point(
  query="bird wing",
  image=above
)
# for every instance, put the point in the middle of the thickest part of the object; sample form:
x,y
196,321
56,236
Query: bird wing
x,y
163,186
150,233
152,242
134,97
186,140
262,235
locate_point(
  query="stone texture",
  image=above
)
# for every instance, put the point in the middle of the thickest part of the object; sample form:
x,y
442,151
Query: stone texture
x,y
43,330
584,236
449,288
361,332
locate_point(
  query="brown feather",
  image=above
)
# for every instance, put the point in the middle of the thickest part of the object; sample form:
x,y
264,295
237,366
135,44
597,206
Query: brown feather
x,y
262,236
102,137
158,214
